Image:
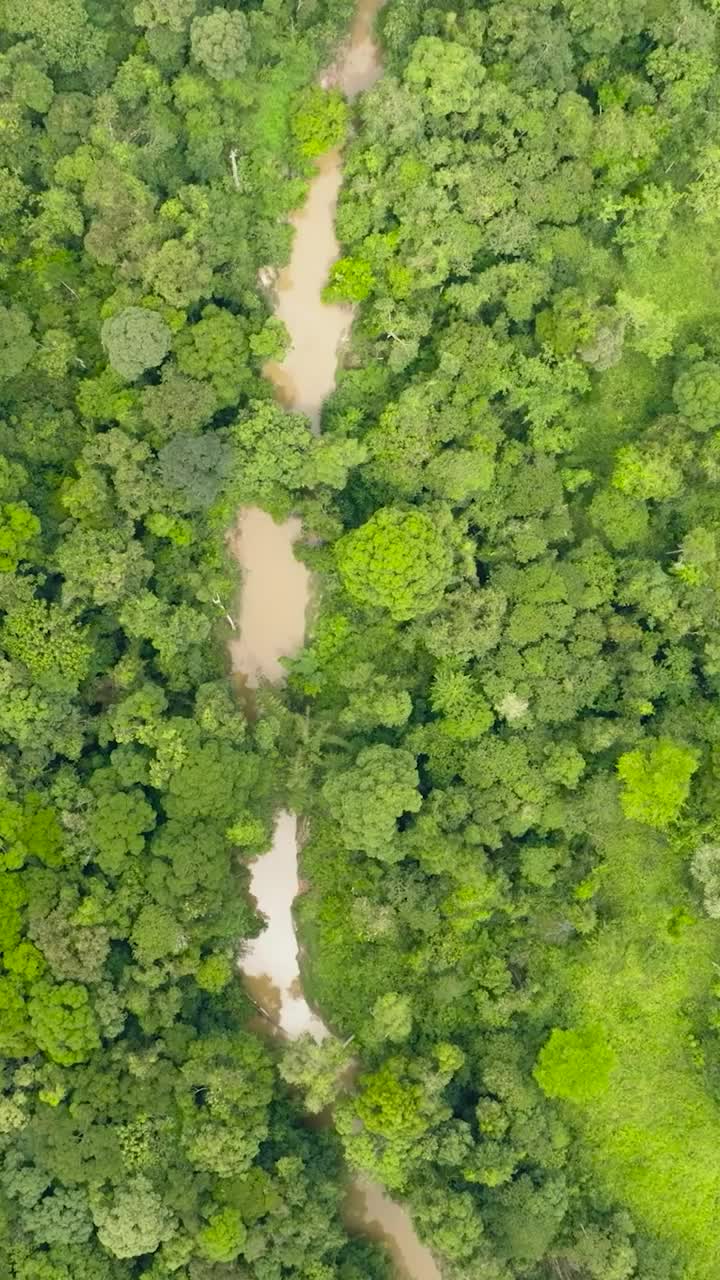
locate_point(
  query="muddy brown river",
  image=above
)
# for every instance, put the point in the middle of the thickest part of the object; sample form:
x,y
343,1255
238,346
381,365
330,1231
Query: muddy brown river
x,y
271,624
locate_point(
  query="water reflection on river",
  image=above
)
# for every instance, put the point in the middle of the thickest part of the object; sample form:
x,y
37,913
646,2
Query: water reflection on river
x,y
275,595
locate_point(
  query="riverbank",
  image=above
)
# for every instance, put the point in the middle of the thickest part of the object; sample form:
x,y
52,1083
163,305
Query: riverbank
x,y
275,596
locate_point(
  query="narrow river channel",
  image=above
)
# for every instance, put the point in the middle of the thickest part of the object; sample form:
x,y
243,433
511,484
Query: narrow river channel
x,y
275,596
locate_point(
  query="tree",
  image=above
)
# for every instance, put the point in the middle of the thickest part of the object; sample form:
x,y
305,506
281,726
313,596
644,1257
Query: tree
x,y
315,1067
446,74
19,529
396,561
135,339
272,452
466,714
17,1039
652,329
367,799
705,868
622,519
459,474
220,42
101,565
61,29
223,1237
194,468
226,1087
117,828
650,471
216,348
319,120
29,830
157,935
63,1022
57,351
697,395
391,1019
17,345
350,280
575,1064
48,641
175,14
176,404
331,460
133,1220
467,624
527,1217
178,274
213,781
656,780
214,973
60,1218
74,951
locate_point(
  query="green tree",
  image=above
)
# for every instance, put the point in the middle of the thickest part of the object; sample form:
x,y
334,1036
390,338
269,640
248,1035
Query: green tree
x,y
135,339
61,1218
177,273
650,471
447,73
117,828
194,469
175,14
656,780
705,868
17,345
48,641
232,1078
17,1038
367,799
220,42
216,348
29,830
396,561
697,395
103,566
271,453
315,1067
60,27
319,120
156,935
350,280
176,404
459,474
63,1022
133,1219
19,529
223,1237
391,1018
575,1064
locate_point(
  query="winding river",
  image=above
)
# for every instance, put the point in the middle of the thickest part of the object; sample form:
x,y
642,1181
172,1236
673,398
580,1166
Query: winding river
x,y
275,596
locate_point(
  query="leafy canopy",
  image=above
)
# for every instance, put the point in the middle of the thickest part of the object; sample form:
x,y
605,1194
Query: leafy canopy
x,y
396,561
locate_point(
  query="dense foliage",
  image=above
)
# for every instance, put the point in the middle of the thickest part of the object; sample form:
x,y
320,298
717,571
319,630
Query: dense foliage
x,y
511,755
147,159
504,727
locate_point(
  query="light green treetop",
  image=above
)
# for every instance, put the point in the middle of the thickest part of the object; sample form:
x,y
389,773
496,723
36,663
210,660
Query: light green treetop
x,y
656,781
397,561
574,1064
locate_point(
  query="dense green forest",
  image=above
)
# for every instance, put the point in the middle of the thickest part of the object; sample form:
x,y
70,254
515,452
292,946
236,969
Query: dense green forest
x,y
504,728
149,155
512,759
